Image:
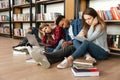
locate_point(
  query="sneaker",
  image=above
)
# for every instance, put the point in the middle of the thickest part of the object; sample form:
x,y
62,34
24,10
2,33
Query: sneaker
x,y
39,57
91,59
64,64
20,44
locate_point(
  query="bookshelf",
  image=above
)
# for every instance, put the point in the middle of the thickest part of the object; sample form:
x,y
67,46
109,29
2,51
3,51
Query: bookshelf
x,y
112,19
5,18
20,18
102,6
42,16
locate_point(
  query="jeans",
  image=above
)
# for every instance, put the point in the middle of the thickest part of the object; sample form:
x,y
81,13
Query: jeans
x,y
59,45
59,55
76,43
95,51
55,47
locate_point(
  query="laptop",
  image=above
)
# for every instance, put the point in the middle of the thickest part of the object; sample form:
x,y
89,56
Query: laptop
x,y
33,41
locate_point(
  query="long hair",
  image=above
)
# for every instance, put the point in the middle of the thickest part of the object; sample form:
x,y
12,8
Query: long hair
x,y
93,13
48,36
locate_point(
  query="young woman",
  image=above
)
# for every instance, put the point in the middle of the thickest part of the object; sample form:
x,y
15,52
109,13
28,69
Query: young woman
x,y
51,38
93,40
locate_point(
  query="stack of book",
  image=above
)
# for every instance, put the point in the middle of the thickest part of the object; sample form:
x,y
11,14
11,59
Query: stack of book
x,y
84,68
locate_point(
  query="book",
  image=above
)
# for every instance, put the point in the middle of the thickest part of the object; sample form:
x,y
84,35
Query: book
x,y
85,72
84,62
83,66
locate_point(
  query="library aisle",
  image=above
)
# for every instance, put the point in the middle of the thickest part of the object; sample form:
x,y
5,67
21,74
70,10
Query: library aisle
x,y
15,67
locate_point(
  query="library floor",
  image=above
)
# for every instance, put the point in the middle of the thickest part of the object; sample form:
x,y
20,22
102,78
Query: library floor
x,y
15,67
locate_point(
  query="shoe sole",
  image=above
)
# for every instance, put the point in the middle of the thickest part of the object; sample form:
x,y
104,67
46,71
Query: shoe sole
x,y
39,57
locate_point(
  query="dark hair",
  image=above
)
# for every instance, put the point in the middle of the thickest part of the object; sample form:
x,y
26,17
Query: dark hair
x,y
59,18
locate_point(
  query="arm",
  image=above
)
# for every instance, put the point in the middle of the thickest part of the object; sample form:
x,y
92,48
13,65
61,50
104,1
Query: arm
x,y
95,30
94,34
43,39
58,34
81,36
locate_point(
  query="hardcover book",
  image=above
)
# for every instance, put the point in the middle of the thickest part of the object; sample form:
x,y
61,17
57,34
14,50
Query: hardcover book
x,y
85,72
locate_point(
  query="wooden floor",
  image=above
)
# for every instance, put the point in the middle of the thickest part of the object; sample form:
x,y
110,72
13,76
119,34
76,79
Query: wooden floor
x,y
15,67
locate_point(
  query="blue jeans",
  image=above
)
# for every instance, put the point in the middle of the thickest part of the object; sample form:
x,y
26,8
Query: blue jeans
x,y
59,45
76,43
55,47
94,50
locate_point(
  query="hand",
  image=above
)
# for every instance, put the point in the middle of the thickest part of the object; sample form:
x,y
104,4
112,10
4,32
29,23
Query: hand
x,y
82,33
42,32
66,43
95,21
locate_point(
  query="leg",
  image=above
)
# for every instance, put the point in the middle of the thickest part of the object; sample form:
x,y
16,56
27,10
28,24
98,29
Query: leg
x,y
87,46
53,57
95,50
35,32
76,43
59,45
59,55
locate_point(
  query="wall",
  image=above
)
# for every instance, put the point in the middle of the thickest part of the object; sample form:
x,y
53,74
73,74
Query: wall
x,y
105,5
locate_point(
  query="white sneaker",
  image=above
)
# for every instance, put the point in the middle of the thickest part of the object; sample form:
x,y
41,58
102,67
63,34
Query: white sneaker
x,y
39,57
91,59
64,64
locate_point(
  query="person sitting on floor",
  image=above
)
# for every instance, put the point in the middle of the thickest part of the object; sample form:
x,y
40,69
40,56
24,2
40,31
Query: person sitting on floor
x,y
58,34
94,42
25,42
51,38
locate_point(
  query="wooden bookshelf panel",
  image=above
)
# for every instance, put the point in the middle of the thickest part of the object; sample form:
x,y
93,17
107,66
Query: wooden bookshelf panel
x,y
23,5
113,21
50,1
45,21
4,9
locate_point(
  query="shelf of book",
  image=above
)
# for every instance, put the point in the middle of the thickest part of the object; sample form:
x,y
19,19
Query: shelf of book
x,y
4,9
45,21
22,21
5,33
20,17
7,22
41,13
50,1
113,21
115,50
5,18
23,5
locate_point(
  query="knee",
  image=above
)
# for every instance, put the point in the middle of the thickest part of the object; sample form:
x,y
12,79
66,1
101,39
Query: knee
x,y
86,42
74,41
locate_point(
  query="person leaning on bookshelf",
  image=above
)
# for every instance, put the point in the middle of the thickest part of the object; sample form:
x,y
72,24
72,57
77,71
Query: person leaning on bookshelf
x,y
93,42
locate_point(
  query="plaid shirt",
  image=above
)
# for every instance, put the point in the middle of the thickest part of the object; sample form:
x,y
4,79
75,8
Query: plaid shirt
x,y
58,34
